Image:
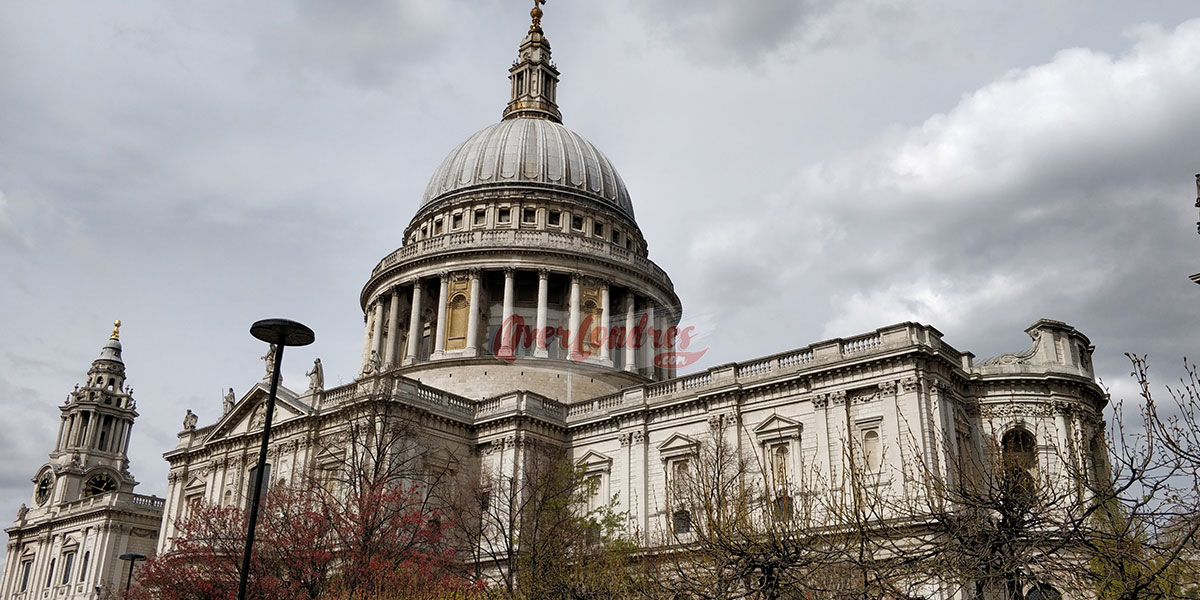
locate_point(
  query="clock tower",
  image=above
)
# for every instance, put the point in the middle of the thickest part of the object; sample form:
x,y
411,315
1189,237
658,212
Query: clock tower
x,y
82,512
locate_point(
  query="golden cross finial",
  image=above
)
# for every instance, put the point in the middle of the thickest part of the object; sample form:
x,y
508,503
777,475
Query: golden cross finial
x,y
536,14
116,334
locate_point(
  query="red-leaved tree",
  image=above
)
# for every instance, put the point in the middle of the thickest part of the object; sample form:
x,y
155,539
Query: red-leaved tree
x,y
364,522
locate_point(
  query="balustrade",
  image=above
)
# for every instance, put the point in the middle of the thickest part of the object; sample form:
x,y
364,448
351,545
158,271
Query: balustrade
x,y
508,238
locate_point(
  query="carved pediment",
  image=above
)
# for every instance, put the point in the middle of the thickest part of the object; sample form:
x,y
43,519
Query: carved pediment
x,y
249,414
195,482
594,461
678,445
778,427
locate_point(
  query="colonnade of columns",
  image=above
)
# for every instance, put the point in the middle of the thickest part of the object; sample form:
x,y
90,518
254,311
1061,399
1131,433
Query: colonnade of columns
x,y
382,346
73,433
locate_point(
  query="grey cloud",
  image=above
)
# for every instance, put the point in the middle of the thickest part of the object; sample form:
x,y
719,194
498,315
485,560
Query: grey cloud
x,y
714,30
1046,193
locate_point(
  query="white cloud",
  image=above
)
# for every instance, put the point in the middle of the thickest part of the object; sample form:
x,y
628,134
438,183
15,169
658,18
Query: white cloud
x,y
1032,197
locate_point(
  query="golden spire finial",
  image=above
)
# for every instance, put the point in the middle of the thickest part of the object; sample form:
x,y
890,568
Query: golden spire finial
x,y
116,334
536,14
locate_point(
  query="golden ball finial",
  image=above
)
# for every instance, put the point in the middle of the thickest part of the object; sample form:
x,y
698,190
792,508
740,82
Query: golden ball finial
x,y
116,334
536,15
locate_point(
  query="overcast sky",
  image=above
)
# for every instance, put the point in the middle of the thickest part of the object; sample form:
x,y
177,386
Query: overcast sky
x,y
802,169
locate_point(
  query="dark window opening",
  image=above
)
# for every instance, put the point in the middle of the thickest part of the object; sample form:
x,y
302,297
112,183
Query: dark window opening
x,y
681,521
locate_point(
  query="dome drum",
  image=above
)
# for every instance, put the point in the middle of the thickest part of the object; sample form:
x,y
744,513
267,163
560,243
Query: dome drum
x,y
505,316
526,209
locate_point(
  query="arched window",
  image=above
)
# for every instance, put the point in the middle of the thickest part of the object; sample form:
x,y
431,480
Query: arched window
x,y
1043,591
1018,458
871,450
456,328
1019,450
779,464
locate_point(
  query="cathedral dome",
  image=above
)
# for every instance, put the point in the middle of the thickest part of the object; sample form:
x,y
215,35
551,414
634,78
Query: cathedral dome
x,y
529,152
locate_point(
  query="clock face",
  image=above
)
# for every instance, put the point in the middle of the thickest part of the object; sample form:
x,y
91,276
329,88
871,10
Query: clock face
x,y
44,486
99,484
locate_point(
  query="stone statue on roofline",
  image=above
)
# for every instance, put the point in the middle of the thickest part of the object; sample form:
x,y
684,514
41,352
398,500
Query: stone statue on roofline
x,y
316,376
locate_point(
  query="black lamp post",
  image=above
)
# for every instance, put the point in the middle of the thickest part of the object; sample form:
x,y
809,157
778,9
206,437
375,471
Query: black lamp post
x,y
132,557
281,333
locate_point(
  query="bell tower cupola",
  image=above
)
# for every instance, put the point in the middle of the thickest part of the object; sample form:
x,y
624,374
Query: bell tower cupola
x,y
534,77
97,419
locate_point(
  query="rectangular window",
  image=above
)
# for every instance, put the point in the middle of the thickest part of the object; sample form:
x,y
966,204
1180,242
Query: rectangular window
x,y
437,227
480,217
50,574
616,236
83,567
679,474
456,221
68,562
681,521
598,229
529,216
783,508
504,216
577,223
554,218
26,569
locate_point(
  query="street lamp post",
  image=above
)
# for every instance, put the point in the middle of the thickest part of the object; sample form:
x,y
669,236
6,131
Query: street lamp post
x,y
132,557
281,333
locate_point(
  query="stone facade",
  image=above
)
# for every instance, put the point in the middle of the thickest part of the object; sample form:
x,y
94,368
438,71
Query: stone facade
x,y
83,513
522,310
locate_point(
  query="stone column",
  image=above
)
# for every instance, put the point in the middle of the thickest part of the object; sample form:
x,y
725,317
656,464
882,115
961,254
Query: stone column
x,y
366,347
821,419
506,325
543,302
648,349
414,324
62,425
439,342
630,350
393,329
473,316
377,343
573,321
90,434
605,325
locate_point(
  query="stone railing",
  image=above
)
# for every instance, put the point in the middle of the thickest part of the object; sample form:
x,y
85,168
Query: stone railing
x,y
522,239
394,386
115,499
149,501
888,339
339,395
795,361
522,403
